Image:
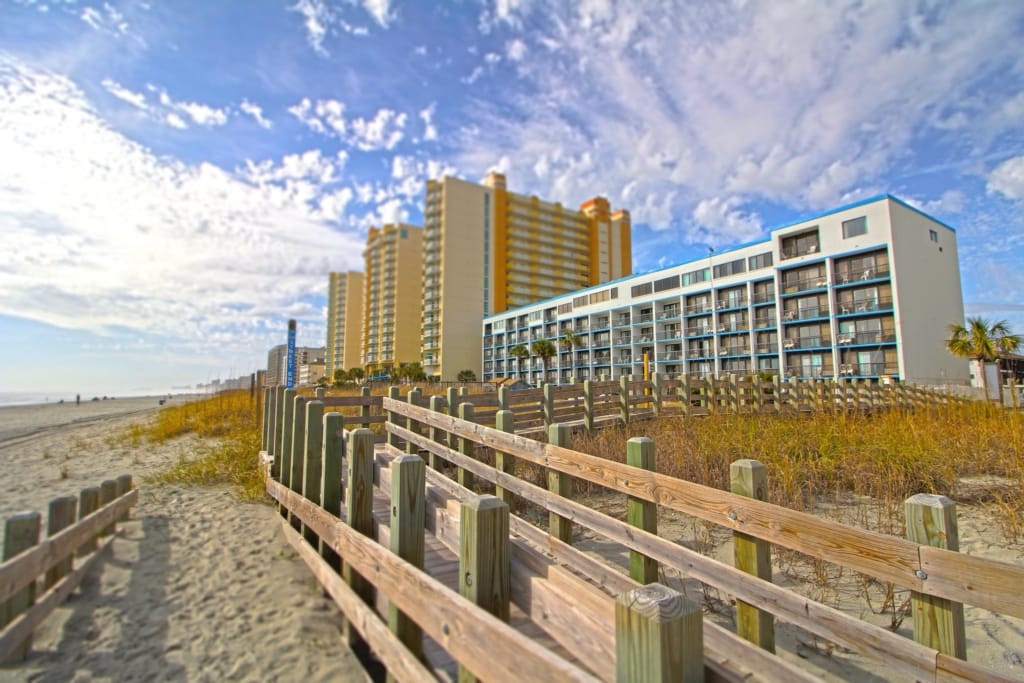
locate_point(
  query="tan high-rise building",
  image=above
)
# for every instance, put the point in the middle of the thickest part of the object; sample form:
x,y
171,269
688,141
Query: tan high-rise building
x,y
392,297
344,322
487,250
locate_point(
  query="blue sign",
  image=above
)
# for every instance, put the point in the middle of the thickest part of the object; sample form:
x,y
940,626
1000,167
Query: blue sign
x,y
290,384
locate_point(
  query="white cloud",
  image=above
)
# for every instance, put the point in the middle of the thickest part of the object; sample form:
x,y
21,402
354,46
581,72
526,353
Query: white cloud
x,y
383,131
380,10
175,121
317,16
136,99
515,50
474,75
724,223
1008,179
256,112
737,100
429,129
190,254
202,114
109,20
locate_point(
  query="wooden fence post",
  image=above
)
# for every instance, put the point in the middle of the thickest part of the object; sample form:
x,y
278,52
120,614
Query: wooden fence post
x,y
330,476
452,396
659,636
437,434
938,623
359,511
21,532
656,383
684,392
559,484
484,559
395,394
298,452
108,492
319,393
265,424
61,515
505,420
313,461
640,513
408,493
412,425
548,404
88,503
364,409
503,397
124,485
271,446
283,458
624,399
588,406
467,447
752,555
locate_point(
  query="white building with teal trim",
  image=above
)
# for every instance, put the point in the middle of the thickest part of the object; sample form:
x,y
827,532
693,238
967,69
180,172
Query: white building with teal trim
x,y
867,290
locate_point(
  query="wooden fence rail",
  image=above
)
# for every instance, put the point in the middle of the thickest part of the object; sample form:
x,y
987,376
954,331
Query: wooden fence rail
x,y
25,598
954,578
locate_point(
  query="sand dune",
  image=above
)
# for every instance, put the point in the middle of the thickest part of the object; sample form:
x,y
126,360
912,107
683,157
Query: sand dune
x,y
199,587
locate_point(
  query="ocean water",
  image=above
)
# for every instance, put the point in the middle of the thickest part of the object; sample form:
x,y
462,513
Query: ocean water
x,y
23,398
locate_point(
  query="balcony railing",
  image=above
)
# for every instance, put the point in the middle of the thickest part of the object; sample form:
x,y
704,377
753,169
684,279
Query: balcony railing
x,y
862,275
701,307
806,343
884,337
761,323
867,369
698,331
770,347
732,326
794,251
668,313
622,320
723,304
849,307
735,350
622,339
804,283
805,313
764,297
824,370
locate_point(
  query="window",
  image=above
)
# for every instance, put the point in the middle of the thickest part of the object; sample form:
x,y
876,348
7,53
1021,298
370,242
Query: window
x,y
640,290
854,227
666,283
565,308
580,300
731,268
800,244
701,275
933,236
761,261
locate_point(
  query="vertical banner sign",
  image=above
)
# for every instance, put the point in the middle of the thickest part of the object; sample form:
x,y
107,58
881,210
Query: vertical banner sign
x,y
291,355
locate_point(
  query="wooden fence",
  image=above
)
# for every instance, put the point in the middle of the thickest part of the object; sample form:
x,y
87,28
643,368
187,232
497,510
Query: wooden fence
x,y
37,576
605,624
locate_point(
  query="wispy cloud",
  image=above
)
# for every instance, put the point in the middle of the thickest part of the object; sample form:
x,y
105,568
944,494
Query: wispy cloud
x,y
698,107
1008,178
256,112
191,253
383,131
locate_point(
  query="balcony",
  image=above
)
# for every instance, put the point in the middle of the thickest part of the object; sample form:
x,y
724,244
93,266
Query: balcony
x,y
726,304
768,347
854,277
811,371
799,343
697,308
764,297
734,350
866,338
671,356
808,313
670,333
622,339
733,326
867,369
882,303
761,323
804,284
698,331
668,314
621,321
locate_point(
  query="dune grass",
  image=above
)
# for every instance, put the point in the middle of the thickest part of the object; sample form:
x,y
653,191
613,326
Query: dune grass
x,y
230,421
826,457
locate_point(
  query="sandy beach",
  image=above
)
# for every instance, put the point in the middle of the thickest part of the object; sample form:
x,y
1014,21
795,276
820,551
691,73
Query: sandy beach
x,y
199,586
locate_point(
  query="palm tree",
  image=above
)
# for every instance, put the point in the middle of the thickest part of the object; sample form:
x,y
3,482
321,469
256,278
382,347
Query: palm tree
x,y
571,340
519,352
356,374
983,341
466,376
545,349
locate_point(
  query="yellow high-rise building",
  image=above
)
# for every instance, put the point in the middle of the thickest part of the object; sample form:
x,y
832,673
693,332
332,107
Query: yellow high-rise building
x,y
344,322
392,297
487,250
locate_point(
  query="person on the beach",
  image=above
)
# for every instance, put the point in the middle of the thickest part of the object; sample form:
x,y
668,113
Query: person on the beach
x,y
78,399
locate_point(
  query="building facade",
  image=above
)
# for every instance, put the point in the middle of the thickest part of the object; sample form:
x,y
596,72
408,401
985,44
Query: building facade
x,y
344,322
487,250
277,363
864,291
392,298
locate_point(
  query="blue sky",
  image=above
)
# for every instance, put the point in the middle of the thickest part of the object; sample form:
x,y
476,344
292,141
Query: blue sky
x,y
177,178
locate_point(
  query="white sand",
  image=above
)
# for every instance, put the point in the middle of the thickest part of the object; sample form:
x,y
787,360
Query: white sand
x,y
198,587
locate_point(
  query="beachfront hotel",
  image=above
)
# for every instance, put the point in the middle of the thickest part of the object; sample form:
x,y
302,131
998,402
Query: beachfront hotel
x,y
863,291
277,364
344,321
391,298
487,250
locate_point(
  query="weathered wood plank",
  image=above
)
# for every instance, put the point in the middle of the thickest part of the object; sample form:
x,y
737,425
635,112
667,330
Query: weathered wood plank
x,y
454,622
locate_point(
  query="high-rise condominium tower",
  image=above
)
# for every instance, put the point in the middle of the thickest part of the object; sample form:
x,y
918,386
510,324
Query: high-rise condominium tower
x,y
344,321
487,250
391,297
